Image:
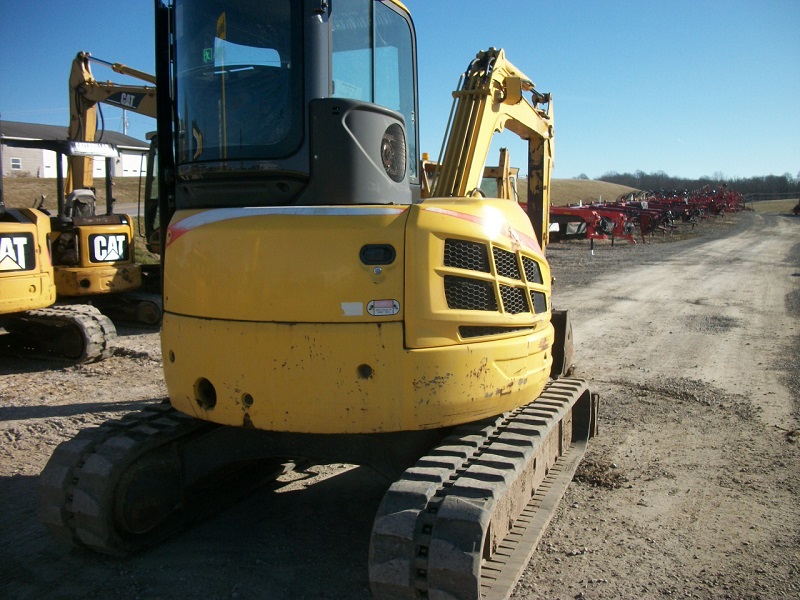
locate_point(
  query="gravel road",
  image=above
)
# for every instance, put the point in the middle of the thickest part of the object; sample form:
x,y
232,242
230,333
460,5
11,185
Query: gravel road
x,y
689,491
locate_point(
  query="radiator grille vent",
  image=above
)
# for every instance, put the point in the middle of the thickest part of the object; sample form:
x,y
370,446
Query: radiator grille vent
x,y
469,294
506,263
532,271
479,331
480,293
514,300
539,302
462,254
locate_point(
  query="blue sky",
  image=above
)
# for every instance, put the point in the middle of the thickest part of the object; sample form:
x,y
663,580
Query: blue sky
x,y
690,87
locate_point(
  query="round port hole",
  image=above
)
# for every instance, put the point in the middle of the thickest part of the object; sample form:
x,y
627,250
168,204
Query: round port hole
x,y
205,394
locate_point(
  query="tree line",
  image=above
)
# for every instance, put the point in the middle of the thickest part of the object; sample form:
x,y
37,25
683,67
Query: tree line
x,y
767,185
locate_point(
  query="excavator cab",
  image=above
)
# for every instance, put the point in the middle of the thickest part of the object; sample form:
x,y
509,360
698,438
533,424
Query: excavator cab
x,y
314,229
308,286
293,104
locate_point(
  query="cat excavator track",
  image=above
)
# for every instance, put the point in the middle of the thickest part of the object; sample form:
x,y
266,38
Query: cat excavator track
x,y
138,307
83,472
73,333
130,483
497,481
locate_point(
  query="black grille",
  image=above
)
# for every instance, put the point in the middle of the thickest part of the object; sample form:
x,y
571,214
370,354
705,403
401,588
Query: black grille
x,y
469,294
514,300
479,331
539,302
506,263
532,271
466,255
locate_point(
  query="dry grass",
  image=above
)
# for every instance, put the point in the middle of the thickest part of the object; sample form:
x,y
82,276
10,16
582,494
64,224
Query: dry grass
x,y
23,192
571,191
775,207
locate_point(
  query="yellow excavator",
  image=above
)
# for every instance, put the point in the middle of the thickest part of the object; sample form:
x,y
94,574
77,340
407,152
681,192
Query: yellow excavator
x,y
319,308
33,325
106,272
77,255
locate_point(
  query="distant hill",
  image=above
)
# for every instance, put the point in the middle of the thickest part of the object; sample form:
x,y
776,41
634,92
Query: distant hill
x,y
571,191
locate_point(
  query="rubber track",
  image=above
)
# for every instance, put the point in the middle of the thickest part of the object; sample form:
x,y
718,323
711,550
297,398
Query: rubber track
x,y
95,332
462,500
76,487
499,575
143,308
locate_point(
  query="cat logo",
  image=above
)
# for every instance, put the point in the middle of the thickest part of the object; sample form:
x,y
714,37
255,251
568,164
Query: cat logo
x,y
17,252
108,248
127,100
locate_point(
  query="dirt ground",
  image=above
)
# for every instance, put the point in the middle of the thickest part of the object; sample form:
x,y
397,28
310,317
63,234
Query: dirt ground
x,y
689,491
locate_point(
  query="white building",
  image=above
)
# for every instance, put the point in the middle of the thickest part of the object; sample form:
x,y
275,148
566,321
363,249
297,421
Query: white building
x,y
32,162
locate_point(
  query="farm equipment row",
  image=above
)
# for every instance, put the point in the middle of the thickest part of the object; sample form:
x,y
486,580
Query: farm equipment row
x,y
649,212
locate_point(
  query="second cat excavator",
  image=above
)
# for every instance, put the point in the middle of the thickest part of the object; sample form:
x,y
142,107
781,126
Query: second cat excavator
x,y
319,308
33,325
77,255
117,284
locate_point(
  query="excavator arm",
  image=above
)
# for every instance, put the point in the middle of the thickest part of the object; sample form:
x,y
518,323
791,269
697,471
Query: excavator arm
x,y
490,99
85,92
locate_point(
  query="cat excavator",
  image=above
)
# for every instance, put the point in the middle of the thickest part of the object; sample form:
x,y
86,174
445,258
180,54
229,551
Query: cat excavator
x,y
83,258
319,308
118,285
33,325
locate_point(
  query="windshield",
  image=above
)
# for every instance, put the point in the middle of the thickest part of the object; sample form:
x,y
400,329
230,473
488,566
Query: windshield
x,y
373,60
239,80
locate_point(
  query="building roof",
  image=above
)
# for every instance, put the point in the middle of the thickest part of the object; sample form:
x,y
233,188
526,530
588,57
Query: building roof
x,y
36,131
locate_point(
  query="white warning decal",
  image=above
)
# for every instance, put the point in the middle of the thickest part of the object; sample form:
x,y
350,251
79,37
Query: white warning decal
x,y
383,308
352,309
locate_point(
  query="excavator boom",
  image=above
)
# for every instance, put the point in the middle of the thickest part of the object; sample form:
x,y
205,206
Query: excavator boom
x,y
85,92
491,99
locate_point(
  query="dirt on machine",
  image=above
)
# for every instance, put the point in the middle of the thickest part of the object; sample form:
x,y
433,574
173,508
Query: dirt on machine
x,y
330,298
